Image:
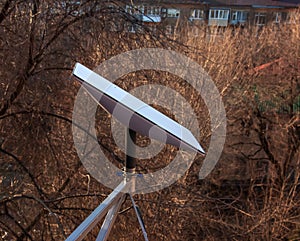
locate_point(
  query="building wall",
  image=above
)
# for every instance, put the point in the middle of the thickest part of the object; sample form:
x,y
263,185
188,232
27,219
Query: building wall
x,y
256,16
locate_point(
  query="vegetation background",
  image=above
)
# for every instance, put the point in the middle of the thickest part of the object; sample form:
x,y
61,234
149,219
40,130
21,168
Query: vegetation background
x,y
45,192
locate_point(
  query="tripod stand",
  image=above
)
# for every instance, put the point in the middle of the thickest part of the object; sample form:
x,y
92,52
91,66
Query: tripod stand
x,y
112,204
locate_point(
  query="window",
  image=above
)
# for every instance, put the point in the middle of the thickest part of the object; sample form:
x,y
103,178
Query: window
x,y
284,16
238,17
277,17
218,14
152,10
197,14
291,18
260,19
133,28
143,9
134,9
145,13
212,13
173,13
151,14
243,16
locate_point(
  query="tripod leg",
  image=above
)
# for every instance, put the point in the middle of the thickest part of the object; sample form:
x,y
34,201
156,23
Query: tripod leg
x,y
109,220
140,219
92,220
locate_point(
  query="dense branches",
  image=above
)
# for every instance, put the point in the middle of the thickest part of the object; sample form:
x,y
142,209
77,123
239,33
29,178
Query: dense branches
x,y
252,194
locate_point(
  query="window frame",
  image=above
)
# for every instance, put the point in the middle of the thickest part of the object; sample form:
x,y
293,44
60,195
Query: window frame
x,y
258,17
144,9
176,11
239,17
197,14
278,17
219,14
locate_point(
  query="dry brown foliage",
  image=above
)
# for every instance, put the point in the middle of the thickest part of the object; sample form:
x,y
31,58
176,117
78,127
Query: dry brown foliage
x,y
252,194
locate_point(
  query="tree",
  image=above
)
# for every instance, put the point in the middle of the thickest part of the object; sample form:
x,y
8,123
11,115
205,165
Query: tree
x,y
46,192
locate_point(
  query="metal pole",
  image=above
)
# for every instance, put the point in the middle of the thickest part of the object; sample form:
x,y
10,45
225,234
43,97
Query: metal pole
x,y
130,165
139,217
109,220
130,162
93,219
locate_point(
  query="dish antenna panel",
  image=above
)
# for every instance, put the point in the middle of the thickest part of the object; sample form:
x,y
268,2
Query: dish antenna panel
x,y
139,117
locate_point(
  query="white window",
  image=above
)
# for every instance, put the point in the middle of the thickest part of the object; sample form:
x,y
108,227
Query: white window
x,y
277,17
197,14
133,28
173,13
143,9
152,10
163,12
219,14
145,13
152,14
138,9
260,19
238,17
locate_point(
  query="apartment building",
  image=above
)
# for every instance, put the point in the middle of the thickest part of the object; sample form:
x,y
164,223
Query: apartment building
x,y
222,13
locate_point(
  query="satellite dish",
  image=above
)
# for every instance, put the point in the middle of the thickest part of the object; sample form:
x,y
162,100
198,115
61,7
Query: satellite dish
x,y
139,117
134,113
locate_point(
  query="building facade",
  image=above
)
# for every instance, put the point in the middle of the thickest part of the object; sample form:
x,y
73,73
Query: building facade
x,y
172,15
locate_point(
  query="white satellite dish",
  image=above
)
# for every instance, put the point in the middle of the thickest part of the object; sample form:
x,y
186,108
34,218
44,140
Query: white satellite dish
x,y
139,117
134,113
